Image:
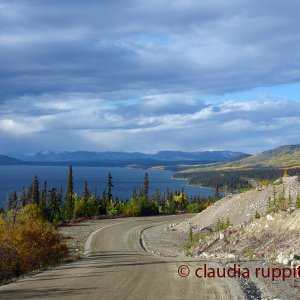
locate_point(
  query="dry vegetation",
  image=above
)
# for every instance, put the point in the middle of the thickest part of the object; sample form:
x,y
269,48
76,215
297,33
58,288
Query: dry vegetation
x,y
28,242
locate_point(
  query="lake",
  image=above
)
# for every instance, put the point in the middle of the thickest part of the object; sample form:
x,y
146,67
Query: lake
x,y
124,179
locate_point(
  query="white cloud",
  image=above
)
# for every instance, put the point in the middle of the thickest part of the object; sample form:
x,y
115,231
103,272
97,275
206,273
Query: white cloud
x,y
101,125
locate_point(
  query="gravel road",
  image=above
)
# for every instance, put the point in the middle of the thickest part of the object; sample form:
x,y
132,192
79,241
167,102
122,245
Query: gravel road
x,y
115,266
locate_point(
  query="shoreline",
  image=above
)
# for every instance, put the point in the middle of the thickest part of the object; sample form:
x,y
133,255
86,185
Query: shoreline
x,y
194,185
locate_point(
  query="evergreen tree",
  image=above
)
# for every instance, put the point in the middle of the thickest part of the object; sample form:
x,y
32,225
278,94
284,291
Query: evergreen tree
x,y
12,201
23,197
109,187
30,194
85,198
35,191
59,199
134,194
43,202
146,185
141,193
86,192
52,204
69,195
156,196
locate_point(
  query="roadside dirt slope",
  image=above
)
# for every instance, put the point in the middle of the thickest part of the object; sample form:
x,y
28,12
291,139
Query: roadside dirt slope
x,y
241,208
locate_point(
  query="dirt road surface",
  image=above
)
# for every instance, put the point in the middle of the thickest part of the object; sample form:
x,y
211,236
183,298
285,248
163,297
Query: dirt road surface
x,y
116,266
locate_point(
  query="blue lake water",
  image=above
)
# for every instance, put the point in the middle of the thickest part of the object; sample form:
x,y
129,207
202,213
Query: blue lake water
x,y
124,179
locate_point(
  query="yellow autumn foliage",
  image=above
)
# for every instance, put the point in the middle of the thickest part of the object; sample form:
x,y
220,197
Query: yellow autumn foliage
x,y
28,242
181,199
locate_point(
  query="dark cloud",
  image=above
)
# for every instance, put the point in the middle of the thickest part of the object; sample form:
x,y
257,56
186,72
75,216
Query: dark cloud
x,y
130,48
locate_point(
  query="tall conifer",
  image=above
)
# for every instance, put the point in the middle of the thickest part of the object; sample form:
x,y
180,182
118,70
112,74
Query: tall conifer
x,y
35,191
69,195
109,187
146,185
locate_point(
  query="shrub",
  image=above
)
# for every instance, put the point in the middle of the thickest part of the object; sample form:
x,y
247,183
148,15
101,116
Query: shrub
x,y
194,207
29,243
181,200
140,207
132,208
221,224
297,204
111,209
148,208
170,207
257,215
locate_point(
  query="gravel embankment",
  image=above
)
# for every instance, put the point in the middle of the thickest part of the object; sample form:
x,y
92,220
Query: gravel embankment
x,y
241,208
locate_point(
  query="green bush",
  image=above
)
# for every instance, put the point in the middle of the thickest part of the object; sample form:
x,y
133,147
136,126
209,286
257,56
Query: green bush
x,y
140,207
111,209
132,208
170,207
194,207
221,224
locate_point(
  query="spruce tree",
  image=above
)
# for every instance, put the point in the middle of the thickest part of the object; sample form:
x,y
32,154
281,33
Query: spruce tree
x,y
156,196
52,204
109,187
12,201
146,185
69,195
85,198
86,192
59,199
23,197
29,194
43,202
35,191
134,194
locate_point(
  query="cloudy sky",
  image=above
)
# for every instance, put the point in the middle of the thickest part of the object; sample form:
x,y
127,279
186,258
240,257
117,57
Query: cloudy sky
x,y
139,75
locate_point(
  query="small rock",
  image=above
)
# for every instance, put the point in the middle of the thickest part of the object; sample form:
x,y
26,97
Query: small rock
x,y
280,258
270,218
286,261
221,236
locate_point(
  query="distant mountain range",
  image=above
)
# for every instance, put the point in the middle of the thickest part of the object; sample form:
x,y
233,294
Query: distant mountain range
x,y
110,158
174,156
6,160
280,157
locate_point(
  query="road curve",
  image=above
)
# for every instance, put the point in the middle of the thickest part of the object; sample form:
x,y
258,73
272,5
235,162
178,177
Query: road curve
x,y
117,267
